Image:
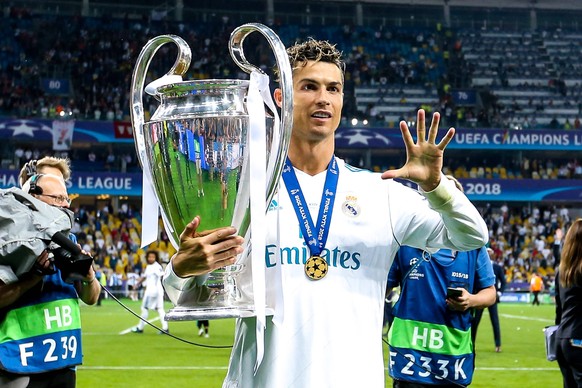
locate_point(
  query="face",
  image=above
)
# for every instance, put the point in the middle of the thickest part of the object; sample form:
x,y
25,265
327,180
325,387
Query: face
x,y
151,258
54,191
317,100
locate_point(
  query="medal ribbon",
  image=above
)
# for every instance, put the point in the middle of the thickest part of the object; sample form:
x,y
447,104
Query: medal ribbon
x,y
315,242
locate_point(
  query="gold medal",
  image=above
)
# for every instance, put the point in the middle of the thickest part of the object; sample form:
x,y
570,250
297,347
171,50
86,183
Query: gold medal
x,y
316,268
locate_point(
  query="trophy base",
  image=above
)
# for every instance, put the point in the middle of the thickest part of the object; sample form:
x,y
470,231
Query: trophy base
x,y
194,314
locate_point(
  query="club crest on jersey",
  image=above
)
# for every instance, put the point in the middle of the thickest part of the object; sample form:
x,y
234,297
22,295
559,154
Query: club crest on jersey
x,y
350,207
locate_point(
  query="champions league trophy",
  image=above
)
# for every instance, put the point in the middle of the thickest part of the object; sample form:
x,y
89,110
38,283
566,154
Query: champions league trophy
x,y
204,152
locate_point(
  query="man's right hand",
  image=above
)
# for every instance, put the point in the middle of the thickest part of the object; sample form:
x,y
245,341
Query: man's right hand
x,y
43,265
203,252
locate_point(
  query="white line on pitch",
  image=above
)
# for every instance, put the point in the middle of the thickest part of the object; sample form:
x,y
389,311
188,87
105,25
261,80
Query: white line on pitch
x,y
181,367
545,320
132,367
129,330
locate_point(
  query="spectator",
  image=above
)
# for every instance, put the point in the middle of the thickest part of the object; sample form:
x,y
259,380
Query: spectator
x,y
569,308
500,282
536,286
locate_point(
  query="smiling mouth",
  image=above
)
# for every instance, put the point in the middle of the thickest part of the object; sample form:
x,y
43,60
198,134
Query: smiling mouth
x,y
321,115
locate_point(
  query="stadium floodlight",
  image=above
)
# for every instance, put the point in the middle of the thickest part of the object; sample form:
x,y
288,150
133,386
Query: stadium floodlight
x,y
354,121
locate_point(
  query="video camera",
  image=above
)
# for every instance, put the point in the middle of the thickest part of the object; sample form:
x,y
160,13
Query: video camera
x,y
69,258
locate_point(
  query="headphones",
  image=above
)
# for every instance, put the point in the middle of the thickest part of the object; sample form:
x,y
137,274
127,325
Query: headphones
x,y
34,188
30,168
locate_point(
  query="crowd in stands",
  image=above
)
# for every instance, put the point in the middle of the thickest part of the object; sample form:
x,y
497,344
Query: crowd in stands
x,y
390,72
114,239
527,240
525,168
110,158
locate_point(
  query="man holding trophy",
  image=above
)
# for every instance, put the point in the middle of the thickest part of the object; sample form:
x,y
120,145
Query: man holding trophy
x,y
332,231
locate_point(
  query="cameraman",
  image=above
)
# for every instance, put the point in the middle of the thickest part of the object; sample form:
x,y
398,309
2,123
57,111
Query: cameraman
x,y
46,165
47,353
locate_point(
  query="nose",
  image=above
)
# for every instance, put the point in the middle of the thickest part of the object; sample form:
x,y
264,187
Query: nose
x,y
322,98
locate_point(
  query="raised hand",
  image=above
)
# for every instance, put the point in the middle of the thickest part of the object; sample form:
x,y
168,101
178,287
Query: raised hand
x,y
424,160
203,252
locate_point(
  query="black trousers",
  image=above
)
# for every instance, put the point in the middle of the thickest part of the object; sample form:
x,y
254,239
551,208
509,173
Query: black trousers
x,y
570,362
536,299
494,316
62,378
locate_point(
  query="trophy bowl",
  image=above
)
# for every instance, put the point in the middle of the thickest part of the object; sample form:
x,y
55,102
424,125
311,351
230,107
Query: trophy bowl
x,y
195,153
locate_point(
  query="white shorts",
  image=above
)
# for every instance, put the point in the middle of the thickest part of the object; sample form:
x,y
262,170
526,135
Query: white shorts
x,y
153,302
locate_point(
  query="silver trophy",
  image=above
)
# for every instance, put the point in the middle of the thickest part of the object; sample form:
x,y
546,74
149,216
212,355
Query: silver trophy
x,y
195,151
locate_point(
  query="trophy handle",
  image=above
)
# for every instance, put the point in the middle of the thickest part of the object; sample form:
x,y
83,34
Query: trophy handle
x,y
286,84
137,84
137,114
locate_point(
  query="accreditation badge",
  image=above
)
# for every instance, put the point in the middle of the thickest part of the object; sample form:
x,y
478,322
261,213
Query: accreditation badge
x,y
316,268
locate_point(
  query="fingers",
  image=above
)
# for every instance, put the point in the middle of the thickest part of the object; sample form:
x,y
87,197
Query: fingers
x,y
190,229
391,174
421,131
446,139
205,251
44,259
420,126
226,257
406,136
434,128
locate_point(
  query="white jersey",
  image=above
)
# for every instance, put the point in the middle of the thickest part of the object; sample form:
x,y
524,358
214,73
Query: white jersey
x,y
153,280
328,332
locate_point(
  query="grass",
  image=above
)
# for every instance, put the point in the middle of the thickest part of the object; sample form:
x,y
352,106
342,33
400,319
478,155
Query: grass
x,y
149,360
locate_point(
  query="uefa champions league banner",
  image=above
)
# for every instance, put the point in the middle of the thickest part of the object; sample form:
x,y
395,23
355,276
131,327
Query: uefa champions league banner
x,y
534,190
38,130
489,190
465,139
89,183
519,190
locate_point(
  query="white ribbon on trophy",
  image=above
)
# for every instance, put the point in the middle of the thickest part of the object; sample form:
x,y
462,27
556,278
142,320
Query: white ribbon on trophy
x,y
177,150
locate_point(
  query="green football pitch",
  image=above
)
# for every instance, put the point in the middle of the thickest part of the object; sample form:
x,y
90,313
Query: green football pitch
x,y
115,357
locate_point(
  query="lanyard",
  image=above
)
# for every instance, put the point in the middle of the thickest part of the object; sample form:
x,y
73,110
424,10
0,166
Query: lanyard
x,y
315,241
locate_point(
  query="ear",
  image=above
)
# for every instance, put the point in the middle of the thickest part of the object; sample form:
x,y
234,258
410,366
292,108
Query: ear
x,y
278,96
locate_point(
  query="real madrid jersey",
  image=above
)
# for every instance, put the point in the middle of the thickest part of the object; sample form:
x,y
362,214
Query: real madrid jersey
x,y
327,333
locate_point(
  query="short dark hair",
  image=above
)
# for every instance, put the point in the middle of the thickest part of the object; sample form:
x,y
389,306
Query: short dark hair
x,y
314,50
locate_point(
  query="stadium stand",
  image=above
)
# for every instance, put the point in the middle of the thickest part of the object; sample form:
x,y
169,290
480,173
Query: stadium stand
x,y
514,78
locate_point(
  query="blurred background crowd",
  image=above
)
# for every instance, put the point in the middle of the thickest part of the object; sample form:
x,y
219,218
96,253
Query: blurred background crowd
x,y
518,78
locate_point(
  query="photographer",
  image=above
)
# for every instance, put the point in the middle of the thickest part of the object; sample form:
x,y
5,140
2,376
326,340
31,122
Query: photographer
x,y
46,353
